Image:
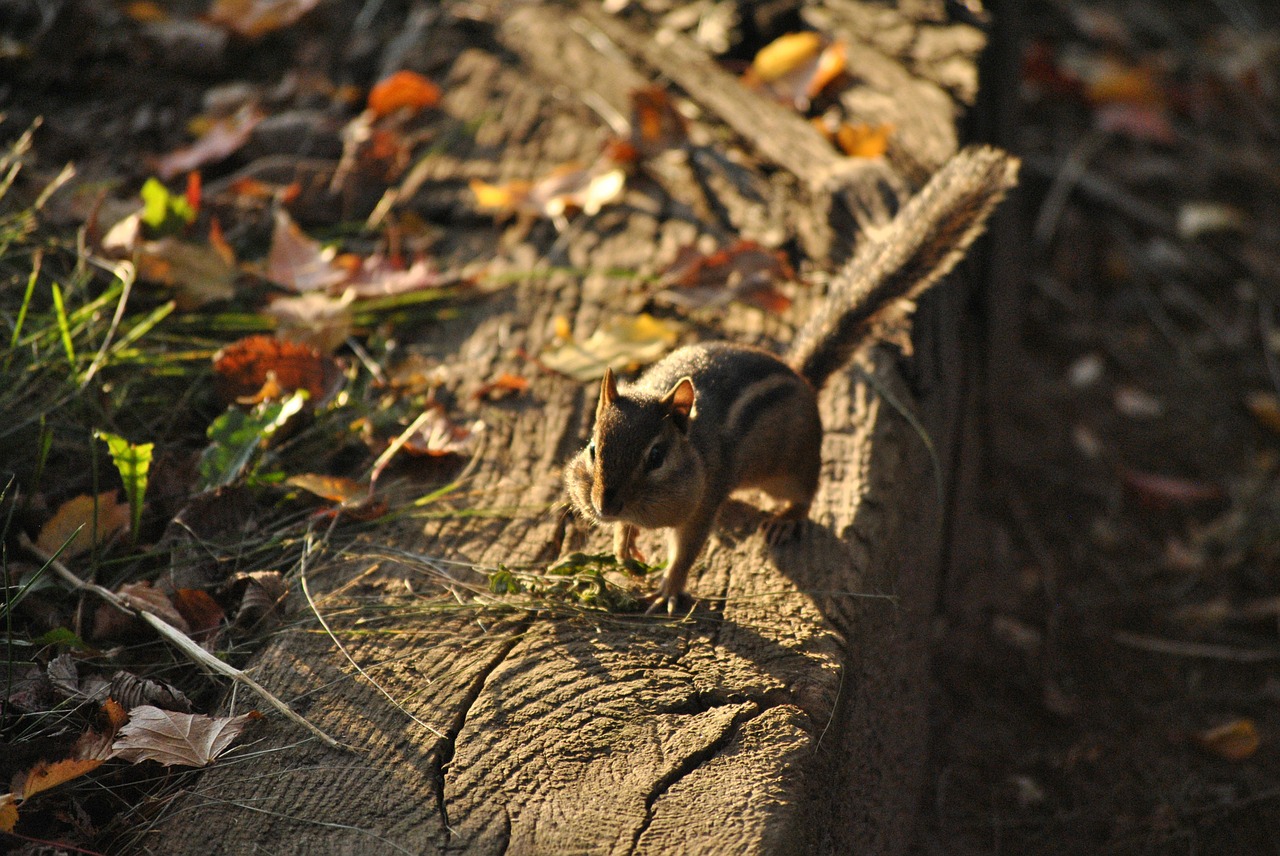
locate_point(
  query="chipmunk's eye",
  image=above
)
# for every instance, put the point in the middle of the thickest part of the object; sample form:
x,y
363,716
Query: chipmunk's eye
x,y
657,454
591,450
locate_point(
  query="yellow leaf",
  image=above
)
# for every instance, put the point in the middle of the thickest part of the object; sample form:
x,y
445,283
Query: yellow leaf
x,y
622,344
8,812
45,775
1235,741
785,54
78,514
864,141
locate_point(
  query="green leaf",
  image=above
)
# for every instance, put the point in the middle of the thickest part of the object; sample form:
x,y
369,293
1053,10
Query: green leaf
x,y
133,460
236,436
163,212
60,636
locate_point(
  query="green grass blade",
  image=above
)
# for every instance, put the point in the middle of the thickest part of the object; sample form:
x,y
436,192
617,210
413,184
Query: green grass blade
x,y
64,329
22,310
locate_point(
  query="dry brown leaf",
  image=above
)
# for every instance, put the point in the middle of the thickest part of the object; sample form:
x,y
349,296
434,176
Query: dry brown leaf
x,y
111,623
1237,740
81,513
404,90
316,320
1265,407
169,737
298,262
197,273
222,138
621,344
380,276
1160,491
264,593
242,368
129,691
254,18
745,271
656,125
440,435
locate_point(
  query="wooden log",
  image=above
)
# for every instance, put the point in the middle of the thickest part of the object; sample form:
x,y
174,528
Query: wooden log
x,y
785,715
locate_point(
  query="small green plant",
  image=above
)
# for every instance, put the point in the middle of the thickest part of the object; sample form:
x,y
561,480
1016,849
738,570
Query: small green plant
x,y
580,579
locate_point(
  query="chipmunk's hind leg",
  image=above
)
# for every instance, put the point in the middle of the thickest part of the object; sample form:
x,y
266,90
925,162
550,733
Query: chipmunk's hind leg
x,y
796,487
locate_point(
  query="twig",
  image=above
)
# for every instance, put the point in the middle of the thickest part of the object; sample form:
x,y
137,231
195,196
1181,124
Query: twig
x,y
178,639
1195,649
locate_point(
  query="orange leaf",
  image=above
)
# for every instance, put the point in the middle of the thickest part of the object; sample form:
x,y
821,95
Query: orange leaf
x,y
656,125
403,90
79,513
784,55
502,386
864,141
333,488
146,12
8,812
200,611
1236,740
243,367
46,774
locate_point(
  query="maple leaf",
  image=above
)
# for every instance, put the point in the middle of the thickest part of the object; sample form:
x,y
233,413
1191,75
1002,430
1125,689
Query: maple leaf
x,y
439,435
744,271
171,738
298,262
222,138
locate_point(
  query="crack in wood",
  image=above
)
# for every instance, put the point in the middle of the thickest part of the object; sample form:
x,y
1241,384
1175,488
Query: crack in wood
x,y
448,746
689,765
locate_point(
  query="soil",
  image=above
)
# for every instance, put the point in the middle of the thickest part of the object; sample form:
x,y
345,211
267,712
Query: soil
x,y
1111,604
1114,602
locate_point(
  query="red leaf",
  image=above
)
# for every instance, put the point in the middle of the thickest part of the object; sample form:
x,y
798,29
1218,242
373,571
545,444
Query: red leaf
x,y
243,368
403,90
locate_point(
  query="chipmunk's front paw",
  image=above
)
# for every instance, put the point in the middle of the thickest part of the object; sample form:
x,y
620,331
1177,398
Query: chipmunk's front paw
x,y
669,594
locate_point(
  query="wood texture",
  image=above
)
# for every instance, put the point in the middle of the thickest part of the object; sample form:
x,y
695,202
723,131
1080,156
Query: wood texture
x,y
786,715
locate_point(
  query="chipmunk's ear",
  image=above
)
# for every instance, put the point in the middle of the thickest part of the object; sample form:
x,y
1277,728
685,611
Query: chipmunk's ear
x,y
608,391
679,402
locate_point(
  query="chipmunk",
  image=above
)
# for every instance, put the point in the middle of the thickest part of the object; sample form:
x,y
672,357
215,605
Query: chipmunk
x,y
710,419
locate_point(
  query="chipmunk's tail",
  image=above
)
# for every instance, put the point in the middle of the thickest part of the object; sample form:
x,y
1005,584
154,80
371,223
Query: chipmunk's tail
x,y
929,235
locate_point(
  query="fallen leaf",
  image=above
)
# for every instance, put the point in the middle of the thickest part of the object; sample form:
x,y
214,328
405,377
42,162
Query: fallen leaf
x,y
337,489
1161,491
380,276
145,12
242,368
50,774
1200,218
164,213
1142,122
439,435
263,596
656,125
85,514
201,612
744,271
621,344
568,187
1265,407
315,320
111,623
8,812
863,140
404,90
796,68
298,262
221,139
169,737
1237,740
129,691
254,18
237,436
198,273
503,386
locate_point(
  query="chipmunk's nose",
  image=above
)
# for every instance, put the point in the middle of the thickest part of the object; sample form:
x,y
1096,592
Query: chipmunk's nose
x,y
610,505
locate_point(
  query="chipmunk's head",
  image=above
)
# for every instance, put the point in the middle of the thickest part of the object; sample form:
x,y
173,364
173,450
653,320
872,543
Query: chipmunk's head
x,y
639,466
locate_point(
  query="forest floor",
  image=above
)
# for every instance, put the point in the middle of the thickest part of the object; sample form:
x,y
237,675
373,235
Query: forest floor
x,y
1108,669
